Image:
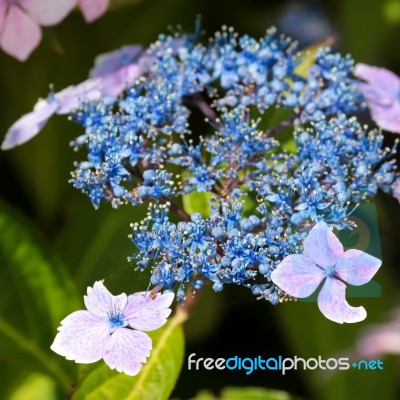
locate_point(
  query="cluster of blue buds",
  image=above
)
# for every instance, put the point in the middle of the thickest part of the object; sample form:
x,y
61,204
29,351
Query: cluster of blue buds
x,y
264,191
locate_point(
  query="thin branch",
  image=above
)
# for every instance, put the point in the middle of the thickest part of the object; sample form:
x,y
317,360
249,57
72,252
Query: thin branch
x,y
280,127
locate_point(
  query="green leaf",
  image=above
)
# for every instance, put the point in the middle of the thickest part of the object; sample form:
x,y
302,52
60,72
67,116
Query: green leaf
x,y
254,393
35,386
37,295
96,244
247,393
197,202
392,11
204,395
157,378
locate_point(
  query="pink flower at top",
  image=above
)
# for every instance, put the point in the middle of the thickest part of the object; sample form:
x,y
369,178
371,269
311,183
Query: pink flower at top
x,y
111,328
325,260
382,91
112,73
20,21
93,9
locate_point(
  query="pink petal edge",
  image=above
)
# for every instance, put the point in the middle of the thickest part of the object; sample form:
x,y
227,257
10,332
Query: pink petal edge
x,y
29,125
93,9
297,275
333,304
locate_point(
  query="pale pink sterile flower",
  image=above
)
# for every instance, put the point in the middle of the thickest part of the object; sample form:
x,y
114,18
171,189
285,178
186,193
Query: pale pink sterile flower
x,y
20,22
380,339
299,275
93,9
63,102
382,91
111,328
396,189
112,73
118,69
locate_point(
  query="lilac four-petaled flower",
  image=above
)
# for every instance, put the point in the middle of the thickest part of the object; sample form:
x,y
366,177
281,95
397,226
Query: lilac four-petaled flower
x,y
112,73
325,260
111,328
382,91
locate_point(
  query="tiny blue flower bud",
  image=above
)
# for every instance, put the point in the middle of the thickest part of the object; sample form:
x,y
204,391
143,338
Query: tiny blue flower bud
x,y
218,287
217,232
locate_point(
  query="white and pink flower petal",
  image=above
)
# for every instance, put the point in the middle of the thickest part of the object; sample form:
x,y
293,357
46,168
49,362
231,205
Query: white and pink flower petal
x,y
378,77
322,246
48,12
146,313
387,118
71,98
81,337
114,60
20,34
29,125
333,304
114,83
99,301
93,9
127,350
297,275
357,267
3,9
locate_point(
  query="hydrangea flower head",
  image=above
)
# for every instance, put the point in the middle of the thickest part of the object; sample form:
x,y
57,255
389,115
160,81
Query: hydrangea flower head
x,y
111,328
325,259
382,90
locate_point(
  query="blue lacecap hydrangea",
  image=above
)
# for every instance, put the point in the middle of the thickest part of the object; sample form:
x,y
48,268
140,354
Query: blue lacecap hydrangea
x,y
264,193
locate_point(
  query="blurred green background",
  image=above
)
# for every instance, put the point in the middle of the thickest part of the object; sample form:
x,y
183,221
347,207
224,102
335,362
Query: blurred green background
x,y
72,245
